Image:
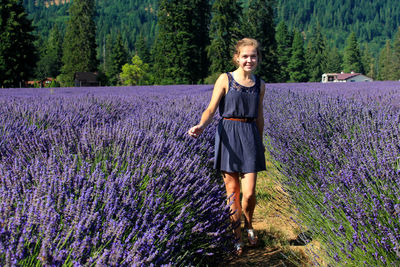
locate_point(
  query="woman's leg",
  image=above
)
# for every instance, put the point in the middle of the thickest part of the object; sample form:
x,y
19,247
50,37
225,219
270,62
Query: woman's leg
x,y
232,185
249,198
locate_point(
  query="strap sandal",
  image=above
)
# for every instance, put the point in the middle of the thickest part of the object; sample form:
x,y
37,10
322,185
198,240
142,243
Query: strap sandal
x,y
251,235
239,248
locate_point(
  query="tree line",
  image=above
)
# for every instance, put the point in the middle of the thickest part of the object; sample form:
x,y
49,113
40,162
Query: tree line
x,y
131,18
372,21
193,44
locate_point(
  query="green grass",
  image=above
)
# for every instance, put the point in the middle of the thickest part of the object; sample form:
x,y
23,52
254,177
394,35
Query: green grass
x,y
271,199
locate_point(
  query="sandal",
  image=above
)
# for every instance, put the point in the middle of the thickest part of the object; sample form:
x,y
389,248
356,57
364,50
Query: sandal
x,y
252,237
239,248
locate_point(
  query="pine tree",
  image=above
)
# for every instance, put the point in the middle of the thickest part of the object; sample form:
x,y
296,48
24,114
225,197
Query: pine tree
x,y
50,62
283,50
352,56
333,62
385,67
142,50
297,64
179,51
224,33
54,51
368,62
107,48
315,55
18,54
201,24
259,24
41,65
396,55
79,50
119,57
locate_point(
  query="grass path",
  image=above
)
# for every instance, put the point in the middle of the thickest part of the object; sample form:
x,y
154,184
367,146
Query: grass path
x,y
277,231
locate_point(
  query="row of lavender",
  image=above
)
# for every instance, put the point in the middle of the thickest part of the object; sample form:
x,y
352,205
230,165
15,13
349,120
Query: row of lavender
x,y
109,177
338,146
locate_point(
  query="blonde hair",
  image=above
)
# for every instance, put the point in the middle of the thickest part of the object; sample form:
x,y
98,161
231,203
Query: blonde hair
x,y
246,42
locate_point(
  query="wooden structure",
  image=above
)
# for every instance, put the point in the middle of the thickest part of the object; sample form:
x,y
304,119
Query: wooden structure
x,y
86,79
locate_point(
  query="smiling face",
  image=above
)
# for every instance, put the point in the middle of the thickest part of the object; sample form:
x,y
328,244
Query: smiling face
x,y
247,59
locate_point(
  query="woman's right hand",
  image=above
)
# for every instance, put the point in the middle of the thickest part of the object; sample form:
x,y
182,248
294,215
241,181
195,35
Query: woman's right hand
x,y
195,131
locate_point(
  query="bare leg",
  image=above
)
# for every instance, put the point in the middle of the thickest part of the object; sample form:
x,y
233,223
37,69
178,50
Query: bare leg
x,y
232,185
249,198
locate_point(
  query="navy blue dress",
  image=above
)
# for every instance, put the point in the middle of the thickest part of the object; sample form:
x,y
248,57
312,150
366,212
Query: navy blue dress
x,y
238,145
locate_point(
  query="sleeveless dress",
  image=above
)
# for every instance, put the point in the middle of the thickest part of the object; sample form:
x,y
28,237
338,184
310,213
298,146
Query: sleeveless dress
x,y
238,145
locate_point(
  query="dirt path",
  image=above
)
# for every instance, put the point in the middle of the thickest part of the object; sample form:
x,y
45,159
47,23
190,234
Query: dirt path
x,y
278,233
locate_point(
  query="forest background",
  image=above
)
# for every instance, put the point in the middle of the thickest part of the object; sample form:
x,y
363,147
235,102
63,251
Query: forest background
x,y
189,41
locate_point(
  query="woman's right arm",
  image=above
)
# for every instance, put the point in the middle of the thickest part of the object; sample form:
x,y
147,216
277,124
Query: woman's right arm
x,y
220,88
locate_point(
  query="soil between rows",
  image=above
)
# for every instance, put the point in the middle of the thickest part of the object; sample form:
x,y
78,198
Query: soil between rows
x,y
278,233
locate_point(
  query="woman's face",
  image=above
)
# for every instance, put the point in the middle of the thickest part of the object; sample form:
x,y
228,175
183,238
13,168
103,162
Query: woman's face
x,y
247,58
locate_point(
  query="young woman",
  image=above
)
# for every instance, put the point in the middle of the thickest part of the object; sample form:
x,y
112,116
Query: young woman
x,y
239,150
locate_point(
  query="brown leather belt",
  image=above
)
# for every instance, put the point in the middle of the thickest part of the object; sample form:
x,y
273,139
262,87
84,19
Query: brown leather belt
x,y
241,119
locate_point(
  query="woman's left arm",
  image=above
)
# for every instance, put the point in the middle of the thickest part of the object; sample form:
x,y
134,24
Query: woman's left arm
x,y
260,116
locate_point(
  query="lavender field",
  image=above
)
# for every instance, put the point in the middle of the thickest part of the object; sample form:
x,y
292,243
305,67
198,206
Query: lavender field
x,y
338,146
108,176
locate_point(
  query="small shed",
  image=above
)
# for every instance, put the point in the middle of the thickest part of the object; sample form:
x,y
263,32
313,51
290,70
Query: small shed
x,y
86,79
345,77
46,82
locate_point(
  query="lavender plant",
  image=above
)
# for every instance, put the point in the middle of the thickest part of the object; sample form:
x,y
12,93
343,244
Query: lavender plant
x,y
108,176
338,146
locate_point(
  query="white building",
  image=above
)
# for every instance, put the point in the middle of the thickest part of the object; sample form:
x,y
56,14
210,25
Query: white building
x,y
345,77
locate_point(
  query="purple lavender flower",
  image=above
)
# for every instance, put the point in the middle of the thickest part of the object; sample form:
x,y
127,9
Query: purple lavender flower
x,y
337,145
97,176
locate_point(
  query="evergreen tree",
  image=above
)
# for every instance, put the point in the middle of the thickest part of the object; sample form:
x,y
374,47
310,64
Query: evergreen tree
x,y
201,24
259,24
50,62
107,48
79,50
385,67
368,62
333,62
17,51
352,56
41,66
283,50
297,64
396,55
142,50
179,52
315,55
224,33
119,57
